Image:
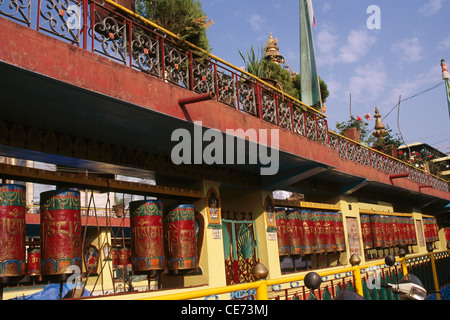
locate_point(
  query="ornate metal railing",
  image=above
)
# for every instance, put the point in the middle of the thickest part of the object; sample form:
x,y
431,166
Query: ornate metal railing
x,y
108,30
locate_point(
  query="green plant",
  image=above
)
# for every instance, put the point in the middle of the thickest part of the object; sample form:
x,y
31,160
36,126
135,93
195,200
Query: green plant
x,y
253,62
185,18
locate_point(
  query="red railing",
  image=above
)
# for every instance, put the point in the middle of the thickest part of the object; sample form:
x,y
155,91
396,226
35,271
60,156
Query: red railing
x,y
106,29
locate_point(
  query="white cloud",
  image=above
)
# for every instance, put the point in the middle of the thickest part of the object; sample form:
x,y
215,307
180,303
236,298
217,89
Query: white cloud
x,y
256,22
409,49
357,45
368,81
431,7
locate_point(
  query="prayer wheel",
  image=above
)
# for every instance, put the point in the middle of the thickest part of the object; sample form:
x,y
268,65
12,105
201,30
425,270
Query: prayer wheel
x,y
282,233
12,231
318,244
60,233
366,232
377,231
388,231
34,261
339,231
396,231
401,230
307,231
181,238
147,236
114,255
294,231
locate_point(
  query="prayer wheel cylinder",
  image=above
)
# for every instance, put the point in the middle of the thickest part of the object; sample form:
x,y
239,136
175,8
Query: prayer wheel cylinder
x,y
12,231
366,232
377,231
181,238
329,232
282,233
147,236
318,245
60,232
34,261
339,231
307,231
295,232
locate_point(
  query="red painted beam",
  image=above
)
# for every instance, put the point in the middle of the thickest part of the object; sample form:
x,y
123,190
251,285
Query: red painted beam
x,y
197,98
398,176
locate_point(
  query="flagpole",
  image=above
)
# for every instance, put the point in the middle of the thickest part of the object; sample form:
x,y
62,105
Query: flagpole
x,y
446,78
309,79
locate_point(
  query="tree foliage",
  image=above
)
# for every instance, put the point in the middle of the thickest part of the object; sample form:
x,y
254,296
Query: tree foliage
x,y
290,84
185,18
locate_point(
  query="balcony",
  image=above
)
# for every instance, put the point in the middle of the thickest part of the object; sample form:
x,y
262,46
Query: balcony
x,y
136,43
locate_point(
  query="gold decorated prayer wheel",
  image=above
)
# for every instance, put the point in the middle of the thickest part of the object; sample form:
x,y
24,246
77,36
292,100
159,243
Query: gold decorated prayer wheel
x,y
147,236
181,239
12,231
61,252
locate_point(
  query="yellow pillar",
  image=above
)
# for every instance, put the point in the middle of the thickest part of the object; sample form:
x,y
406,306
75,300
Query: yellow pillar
x,y
358,280
435,278
261,291
404,267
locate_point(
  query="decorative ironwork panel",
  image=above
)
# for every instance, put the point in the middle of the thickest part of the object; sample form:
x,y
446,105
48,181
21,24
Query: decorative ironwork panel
x,y
145,49
176,66
311,127
240,250
299,122
247,97
334,142
322,130
61,18
351,151
284,114
203,76
269,107
226,89
18,10
343,148
110,37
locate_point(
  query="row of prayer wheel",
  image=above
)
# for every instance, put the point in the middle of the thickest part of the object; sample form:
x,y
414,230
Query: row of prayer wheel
x,y
387,231
61,235
302,232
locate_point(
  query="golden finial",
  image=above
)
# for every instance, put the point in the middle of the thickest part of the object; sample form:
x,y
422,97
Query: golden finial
x,y
380,130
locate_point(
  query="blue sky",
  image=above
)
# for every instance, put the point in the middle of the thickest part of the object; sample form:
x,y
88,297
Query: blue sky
x,y
374,66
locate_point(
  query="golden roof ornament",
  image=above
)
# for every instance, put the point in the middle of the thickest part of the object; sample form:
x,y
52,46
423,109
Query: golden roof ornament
x,y
271,52
380,130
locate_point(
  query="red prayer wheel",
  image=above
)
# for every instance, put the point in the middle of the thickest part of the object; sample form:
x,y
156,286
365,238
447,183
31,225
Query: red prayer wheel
x,y
147,236
319,244
307,227
60,232
339,231
114,255
366,232
377,231
401,223
181,238
34,261
294,231
282,233
329,232
12,231
396,231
